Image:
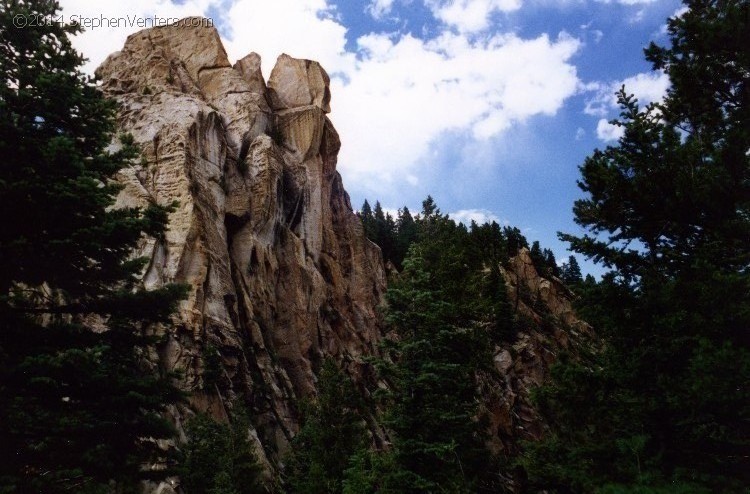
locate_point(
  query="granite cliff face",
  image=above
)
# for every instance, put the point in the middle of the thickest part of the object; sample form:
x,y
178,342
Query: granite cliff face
x,y
282,275
548,325
280,269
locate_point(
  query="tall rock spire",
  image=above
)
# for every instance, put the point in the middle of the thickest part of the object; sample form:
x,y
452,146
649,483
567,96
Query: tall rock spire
x,y
280,269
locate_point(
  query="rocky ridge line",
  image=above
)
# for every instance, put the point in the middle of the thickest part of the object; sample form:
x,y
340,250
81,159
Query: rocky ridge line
x,y
282,275
280,269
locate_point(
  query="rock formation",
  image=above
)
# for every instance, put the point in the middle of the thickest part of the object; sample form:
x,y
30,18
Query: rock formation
x,y
282,275
280,269
547,325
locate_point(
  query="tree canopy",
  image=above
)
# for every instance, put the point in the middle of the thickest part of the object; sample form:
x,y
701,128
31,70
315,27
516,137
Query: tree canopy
x,y
332,432
666,402
79,409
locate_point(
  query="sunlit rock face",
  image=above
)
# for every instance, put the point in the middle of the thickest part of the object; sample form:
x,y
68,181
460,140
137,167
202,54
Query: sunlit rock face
x,y
548,325
280,271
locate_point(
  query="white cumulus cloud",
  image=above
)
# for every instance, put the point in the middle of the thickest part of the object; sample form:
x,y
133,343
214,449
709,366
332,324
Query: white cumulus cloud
x,y
393,95
300,28
648,87
470,16
405,92
480,216
379,8
608,132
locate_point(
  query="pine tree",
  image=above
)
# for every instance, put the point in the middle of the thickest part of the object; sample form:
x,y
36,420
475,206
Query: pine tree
x,y
495,295
444,311
537,257
429,208
406,234
332,432
571,272
368,221
550,263
78,409
371,472
385,232
490,242
381,228
515,239
219,458
433,362
432,402
666,403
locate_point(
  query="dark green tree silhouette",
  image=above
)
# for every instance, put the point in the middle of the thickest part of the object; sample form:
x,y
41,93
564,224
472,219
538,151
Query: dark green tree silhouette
x,y
78,409
381,228
439,348
219,458
433,402
490,241
494,297
429,208
537,257
368,220
332,432
385,233
665,405
571,272
550,263
407,232
515,239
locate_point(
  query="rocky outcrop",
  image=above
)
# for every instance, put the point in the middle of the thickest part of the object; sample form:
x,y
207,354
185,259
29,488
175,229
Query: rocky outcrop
x,y
547,325
263,232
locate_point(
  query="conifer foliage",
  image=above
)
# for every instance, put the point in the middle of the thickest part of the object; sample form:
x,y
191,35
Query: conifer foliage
x,y
76,406
571,272
666,403
219,458
442,312
332,432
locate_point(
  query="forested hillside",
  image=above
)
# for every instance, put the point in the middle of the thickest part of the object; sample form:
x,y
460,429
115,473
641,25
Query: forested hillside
x,y
663,405
455,330
190,305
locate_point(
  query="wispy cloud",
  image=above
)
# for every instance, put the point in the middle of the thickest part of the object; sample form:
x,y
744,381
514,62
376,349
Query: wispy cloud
x,y
470,16
607,132
480,216
648,87
379,8
627,2
394,94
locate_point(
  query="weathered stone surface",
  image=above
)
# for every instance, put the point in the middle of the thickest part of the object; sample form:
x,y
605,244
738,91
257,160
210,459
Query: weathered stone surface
x,y
282,275
548,324
294,83
249,67
280,269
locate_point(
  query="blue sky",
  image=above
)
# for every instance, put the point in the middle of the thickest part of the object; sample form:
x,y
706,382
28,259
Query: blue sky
x,y
490,106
